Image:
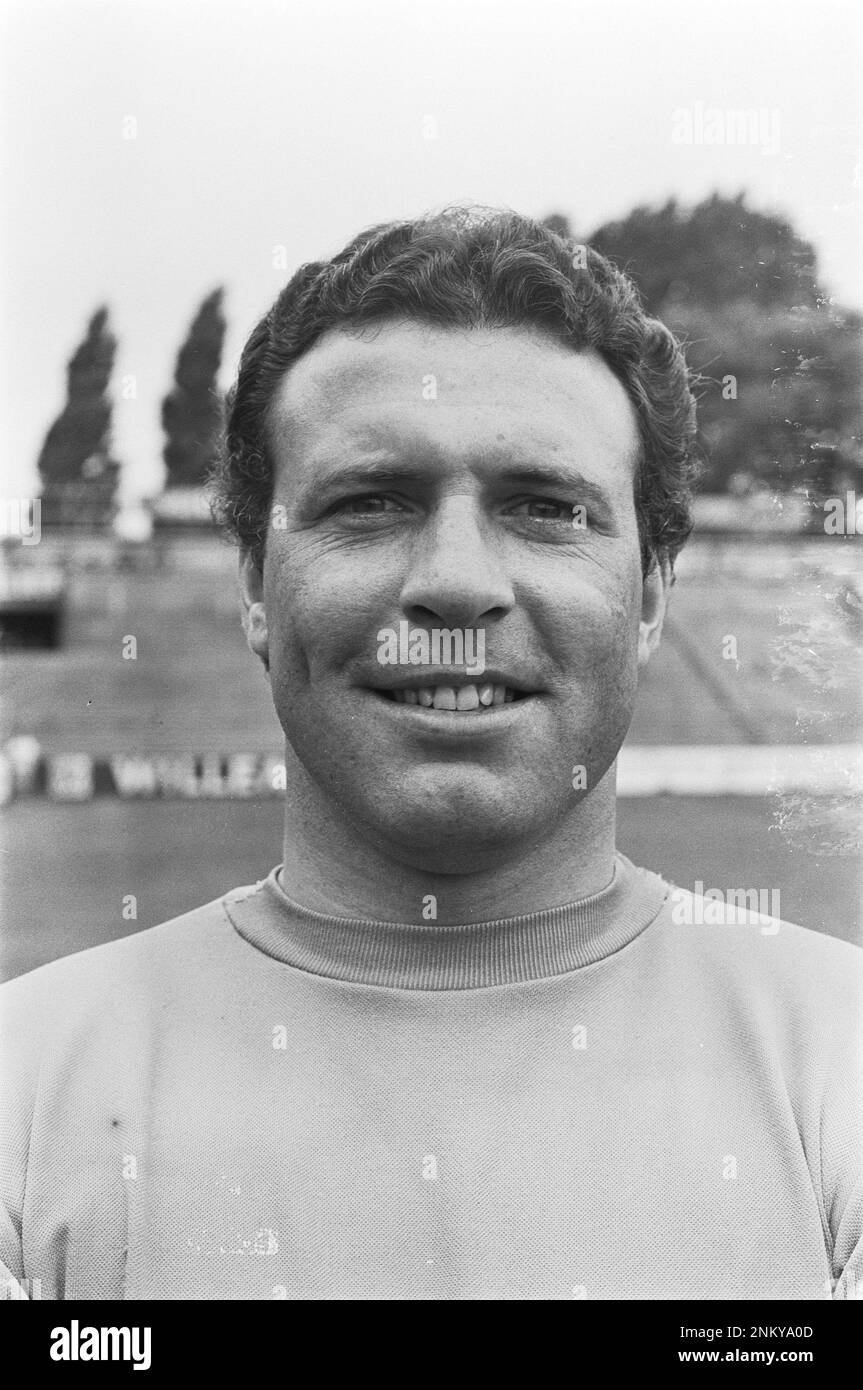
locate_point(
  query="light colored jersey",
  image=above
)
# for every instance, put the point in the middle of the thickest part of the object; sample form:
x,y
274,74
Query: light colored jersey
x,y
611,1099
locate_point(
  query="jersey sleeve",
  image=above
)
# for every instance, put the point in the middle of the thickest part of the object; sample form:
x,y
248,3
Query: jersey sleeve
x,y
848,1249
841,1133
11,1264
19,1073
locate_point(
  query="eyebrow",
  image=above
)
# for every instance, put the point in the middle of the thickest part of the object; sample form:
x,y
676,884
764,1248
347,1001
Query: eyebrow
x,y
377,471
548,475
385,472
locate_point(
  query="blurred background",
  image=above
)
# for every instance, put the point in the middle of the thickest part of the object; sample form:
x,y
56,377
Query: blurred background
x,y
166,169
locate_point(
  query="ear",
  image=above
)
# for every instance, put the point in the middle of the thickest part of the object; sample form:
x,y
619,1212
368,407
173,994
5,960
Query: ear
x,y
254,612
654,600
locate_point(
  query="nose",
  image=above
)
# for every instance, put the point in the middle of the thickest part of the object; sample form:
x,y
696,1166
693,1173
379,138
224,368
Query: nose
x,y
456,576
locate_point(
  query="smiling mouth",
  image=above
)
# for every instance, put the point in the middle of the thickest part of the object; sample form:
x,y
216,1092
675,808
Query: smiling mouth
x,y
460,699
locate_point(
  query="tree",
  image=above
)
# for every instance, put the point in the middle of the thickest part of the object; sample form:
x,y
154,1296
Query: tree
x,y
779,364
779,396
78,475
192,410
558,222
719,251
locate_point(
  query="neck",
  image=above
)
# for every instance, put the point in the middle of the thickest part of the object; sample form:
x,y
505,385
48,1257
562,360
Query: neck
x,y
331,867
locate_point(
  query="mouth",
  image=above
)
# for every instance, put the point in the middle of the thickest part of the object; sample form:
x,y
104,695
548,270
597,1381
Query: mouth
x,y
463,698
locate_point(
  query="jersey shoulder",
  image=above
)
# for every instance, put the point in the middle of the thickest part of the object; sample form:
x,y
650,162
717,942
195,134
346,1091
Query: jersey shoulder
x,y
766,955
105,976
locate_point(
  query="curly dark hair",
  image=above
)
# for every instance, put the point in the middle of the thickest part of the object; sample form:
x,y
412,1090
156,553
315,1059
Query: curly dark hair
x,y
470,267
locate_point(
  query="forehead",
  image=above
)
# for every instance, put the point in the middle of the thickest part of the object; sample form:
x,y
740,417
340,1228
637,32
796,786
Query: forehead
x,y
462,391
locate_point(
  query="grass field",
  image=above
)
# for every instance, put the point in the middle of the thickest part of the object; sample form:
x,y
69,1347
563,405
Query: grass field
x,y
762,647
66,869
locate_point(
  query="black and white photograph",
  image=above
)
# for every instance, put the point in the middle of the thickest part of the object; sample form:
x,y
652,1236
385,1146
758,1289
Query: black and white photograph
x,y
431,601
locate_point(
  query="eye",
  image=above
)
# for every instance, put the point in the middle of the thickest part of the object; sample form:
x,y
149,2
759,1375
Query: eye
x,y
541,509
372,504
550,510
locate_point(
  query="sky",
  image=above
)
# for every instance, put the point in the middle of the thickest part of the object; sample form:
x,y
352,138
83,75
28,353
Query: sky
x,y
154,149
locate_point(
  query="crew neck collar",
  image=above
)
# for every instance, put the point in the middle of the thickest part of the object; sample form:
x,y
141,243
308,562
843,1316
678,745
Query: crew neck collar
x,y
429,956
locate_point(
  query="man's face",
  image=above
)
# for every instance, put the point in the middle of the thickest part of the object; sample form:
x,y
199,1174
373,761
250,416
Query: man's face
x,y
473,481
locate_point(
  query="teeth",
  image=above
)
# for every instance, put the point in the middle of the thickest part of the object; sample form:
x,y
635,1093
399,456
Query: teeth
x,y
444,697
466,698
463,699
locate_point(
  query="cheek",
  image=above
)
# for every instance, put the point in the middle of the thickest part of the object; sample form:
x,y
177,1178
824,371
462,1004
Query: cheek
x,y
291,617
593,628
319,613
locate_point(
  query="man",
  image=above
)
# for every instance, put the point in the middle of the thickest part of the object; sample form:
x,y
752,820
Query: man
x,y
455,1046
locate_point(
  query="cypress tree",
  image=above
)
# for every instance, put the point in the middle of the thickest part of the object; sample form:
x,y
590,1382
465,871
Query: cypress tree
x,y
78,475
192,410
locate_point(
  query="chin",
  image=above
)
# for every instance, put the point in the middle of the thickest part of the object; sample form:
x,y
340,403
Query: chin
x,y
461,827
